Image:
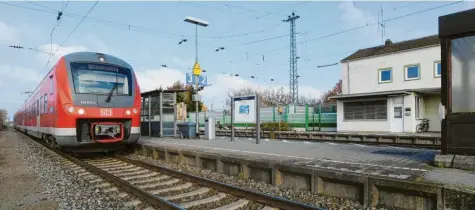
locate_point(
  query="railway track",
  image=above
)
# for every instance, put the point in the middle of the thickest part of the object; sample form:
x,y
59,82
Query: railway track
x,y
148,186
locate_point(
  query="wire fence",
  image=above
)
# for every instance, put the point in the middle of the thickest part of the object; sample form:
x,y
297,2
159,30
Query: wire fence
x,y
302,118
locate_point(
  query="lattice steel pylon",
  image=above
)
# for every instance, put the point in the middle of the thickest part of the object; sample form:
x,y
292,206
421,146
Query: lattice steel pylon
x,y
293,83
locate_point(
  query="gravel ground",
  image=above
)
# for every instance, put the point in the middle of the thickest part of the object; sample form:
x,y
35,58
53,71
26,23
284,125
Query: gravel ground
x,y
289,193
19,187
61,183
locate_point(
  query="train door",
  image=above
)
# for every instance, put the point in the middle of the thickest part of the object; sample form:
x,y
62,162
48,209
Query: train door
x,y
51,108
37,110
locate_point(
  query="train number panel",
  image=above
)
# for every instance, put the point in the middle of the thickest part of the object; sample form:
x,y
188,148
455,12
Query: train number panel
x,y
106,113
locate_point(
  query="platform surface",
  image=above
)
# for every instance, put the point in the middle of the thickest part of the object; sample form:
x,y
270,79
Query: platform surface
x,y
384,161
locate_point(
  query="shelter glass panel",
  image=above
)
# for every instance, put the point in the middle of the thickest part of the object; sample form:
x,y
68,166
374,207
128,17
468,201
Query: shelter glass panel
x,y
463,74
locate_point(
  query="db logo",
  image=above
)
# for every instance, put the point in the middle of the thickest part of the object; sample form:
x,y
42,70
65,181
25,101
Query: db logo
x,y
106,112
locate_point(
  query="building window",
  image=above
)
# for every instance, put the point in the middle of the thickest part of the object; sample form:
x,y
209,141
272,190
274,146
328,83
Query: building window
x,y
418,107
437,69
412,72
365,110
385,75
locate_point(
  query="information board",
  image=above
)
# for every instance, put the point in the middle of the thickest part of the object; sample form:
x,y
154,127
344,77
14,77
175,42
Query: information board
x,y
244,109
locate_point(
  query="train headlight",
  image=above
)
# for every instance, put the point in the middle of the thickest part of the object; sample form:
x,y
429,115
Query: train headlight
x,y
81,111
71,109
127,112
135,111
98,129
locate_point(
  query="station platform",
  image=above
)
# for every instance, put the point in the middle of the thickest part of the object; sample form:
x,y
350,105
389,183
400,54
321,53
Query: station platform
x,y
381,161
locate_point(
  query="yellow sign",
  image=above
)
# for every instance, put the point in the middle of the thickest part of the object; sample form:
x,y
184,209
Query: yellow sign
x,y
197,69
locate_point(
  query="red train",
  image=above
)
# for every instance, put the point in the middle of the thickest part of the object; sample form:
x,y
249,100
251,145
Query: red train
x,y
87,101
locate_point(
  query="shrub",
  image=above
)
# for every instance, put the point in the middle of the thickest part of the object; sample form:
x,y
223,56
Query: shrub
x,y
274,126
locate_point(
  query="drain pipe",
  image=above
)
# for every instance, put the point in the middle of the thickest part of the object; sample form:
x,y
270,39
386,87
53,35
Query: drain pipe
x,y
403,112
348,75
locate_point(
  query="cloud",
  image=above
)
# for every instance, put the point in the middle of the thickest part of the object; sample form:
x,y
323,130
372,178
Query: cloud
x,y
182,63
398,31
7,33
151,79
355,17
8,74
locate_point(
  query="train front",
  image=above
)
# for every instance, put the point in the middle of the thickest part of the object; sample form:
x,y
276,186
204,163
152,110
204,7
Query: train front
x,y
104,103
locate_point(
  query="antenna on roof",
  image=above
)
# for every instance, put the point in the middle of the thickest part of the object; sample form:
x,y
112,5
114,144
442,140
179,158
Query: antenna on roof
x,y
382,24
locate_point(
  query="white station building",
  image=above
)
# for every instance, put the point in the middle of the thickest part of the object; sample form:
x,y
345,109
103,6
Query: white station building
x,y
390,88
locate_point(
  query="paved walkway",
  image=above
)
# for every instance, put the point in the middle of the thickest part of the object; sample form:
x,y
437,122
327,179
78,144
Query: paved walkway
x,y
385,161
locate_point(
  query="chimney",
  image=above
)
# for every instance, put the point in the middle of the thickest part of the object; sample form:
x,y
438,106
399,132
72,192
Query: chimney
x,y
388,42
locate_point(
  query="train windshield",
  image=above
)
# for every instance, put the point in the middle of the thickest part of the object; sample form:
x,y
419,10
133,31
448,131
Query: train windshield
x,y
101,79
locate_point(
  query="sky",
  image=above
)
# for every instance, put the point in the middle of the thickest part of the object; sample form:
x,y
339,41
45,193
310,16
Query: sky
x,y
253,35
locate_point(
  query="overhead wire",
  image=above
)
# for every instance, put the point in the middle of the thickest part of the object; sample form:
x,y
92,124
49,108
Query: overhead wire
x,y
127,26
391,9
267,14
71,33
358,27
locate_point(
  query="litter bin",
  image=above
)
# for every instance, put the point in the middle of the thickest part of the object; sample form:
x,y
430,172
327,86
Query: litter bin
x,y
187,129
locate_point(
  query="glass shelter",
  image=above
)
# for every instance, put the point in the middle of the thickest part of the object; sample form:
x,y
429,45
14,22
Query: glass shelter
x,y
457,34
158,118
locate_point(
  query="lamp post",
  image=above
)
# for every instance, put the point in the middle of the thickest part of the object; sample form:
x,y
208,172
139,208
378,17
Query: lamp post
x,y
197,23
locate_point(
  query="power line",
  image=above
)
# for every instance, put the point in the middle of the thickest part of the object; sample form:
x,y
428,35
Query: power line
x,y
127,26
267,14
71,33
376,13
254,10
359,27
20,47
214,8
281,36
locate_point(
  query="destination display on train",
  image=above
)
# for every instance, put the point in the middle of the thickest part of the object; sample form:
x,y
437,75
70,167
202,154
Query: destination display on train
x,y
102,67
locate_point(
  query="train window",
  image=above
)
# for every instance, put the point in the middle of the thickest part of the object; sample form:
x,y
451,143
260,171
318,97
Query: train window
x,y
41,106
46,104
101,79
51,84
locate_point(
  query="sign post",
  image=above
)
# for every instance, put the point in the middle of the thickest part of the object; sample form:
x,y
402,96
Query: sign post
x,y
246,109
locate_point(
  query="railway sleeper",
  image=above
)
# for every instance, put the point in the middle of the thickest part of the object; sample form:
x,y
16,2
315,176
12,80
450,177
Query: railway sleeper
x,y
203,201
235,205
175,188
149,179
149,186
184,195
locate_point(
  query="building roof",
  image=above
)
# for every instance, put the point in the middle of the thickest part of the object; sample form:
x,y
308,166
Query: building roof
x,y
386,93
158,91
394,47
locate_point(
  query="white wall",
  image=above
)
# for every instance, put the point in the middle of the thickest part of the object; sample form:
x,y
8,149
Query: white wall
x,y
409,122
363,73
431,112
359,125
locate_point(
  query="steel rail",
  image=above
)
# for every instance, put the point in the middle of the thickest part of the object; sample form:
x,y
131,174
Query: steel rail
x,y
151,199
269,200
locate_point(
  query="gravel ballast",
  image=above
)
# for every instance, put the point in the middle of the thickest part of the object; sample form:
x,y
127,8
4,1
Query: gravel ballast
x,y
288,193
61,183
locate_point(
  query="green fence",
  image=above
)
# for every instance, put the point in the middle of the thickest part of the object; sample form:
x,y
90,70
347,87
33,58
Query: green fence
x,y
307,117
